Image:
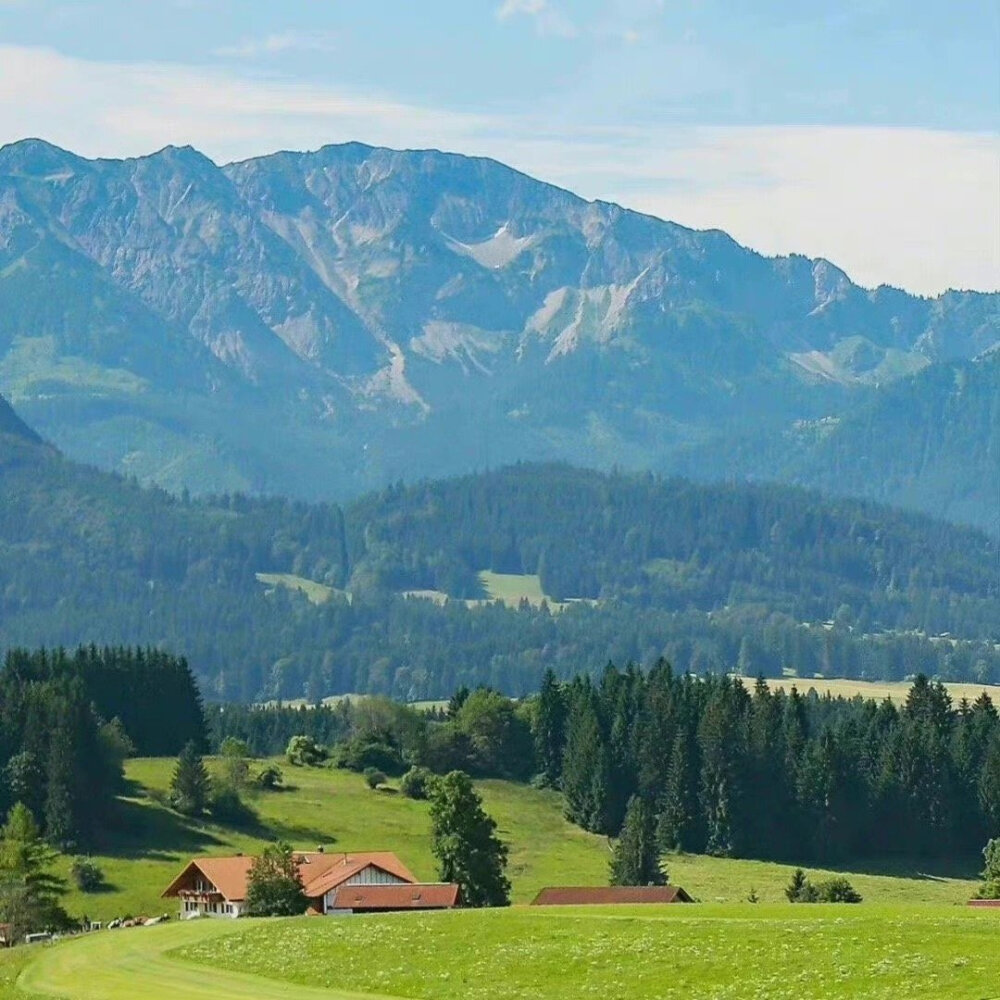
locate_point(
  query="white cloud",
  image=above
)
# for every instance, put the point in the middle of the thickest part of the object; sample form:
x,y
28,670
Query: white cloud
x,y
548,20
286,41
911,207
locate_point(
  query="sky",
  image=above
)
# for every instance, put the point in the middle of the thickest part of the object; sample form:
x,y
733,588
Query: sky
x,y
864,131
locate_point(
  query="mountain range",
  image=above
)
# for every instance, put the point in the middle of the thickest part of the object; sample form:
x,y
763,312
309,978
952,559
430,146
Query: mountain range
x,y
317,324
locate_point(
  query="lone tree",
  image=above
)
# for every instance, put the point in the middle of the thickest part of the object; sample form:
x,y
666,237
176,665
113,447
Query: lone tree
x,y
465,842
274,888
636,857
189,786
990,889
29,892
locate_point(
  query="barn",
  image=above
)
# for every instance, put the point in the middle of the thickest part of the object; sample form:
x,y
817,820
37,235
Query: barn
x,y
610,895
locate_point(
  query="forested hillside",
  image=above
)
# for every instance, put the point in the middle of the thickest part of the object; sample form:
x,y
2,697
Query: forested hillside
x,y
67,723
756,578
929,442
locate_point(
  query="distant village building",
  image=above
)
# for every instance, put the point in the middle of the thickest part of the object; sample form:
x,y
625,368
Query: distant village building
x,y
333,884
598,895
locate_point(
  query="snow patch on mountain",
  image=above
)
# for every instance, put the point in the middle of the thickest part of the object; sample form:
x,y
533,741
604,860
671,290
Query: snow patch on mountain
x,y
500,250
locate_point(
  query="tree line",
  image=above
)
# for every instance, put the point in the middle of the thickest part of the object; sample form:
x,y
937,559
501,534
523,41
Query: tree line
x,y
69,720
731,771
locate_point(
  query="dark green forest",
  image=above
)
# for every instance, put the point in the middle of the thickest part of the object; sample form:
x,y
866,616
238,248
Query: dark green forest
x,y
68,721
755,578
726,769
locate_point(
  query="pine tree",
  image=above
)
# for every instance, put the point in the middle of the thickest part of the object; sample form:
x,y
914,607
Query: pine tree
x,y
586,776
636,857
60,822
29,892
465,842
189,786
674,823
550,729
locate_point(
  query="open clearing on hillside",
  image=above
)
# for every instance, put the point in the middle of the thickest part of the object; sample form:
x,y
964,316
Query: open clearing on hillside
x,y
150,844
510,588
879,690
317,593
737,952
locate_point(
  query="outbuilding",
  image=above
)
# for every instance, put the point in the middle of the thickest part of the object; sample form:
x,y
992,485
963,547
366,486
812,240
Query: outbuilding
x,y
610,895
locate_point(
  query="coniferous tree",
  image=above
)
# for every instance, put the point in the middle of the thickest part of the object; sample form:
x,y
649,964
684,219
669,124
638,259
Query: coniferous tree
x,y
636,856
190,784
550,729
465,843
29,892
586,775
674,825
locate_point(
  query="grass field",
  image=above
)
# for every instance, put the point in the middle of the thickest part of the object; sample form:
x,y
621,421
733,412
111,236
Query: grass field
x,y
879,690
335,808
511,588
317,593
732,952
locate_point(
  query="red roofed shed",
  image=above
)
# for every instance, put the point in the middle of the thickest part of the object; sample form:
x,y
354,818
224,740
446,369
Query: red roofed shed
x,y
602,895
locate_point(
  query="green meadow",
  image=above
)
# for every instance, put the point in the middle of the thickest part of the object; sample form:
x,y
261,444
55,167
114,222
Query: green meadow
x,y
705,952
150,844
913,934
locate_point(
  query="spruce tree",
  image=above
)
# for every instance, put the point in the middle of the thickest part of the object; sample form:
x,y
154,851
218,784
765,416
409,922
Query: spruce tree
x,y
189,786
586,774
29,892
550,729
465,842
636,856
674,822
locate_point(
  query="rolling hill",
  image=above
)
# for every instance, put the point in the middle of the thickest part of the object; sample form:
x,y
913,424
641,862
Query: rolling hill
x,y
283,599
318,324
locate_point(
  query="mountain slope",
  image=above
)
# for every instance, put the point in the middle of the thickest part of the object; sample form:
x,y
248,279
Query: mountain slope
x,y
711,576
930,442
318,323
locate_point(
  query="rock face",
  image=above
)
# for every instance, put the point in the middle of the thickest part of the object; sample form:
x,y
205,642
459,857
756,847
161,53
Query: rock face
x,y
316,323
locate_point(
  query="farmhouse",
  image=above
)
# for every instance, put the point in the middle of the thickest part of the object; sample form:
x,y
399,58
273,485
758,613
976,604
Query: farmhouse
x,y
613,894
333,883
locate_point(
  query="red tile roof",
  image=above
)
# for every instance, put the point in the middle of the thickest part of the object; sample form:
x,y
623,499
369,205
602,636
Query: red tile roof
x,y
318,870
610,894
420,896
320,879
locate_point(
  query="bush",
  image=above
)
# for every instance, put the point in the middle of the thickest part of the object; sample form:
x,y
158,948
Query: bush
x,y
837,890
834,890
269,778
800,889
416,783
374,777
226,806
303,751
86,875
370,751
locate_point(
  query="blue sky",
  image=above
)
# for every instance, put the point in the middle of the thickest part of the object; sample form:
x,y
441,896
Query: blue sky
x,y
863,131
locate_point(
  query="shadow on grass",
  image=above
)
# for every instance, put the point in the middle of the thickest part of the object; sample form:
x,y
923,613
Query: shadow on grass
x,y
907,867
143,826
